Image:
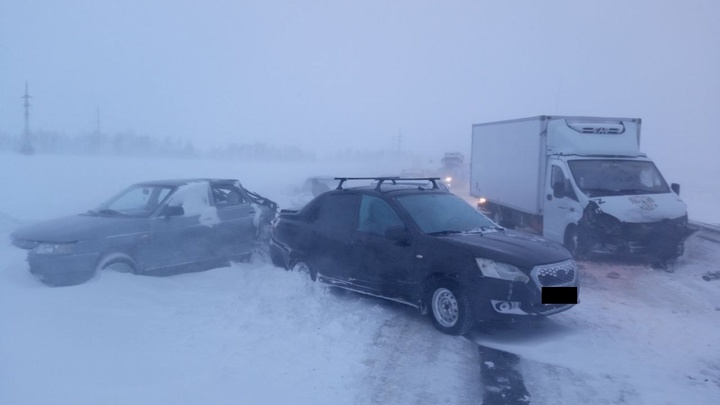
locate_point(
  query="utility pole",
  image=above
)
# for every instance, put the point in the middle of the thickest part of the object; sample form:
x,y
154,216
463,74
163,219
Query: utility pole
x,y
26,147
97,122
399,140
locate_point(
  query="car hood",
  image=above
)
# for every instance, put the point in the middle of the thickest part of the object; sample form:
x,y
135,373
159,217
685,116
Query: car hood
x,y
512,247
643,208
79,227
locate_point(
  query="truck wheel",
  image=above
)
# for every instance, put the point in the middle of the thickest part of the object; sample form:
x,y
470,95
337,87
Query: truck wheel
x,y
450,308
572,242
503,218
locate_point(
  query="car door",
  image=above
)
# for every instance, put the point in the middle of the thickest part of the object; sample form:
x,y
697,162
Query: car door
x,y
182,240
234,235
331,226
561,205
381,265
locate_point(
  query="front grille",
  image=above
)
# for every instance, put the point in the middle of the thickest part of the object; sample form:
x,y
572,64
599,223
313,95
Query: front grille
x,y
556,274
646,231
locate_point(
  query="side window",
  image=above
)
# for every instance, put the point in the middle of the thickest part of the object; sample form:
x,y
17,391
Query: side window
x,y
376,216
338,211
558,177
227,196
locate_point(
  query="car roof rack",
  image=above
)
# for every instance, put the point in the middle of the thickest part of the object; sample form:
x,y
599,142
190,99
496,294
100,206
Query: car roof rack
x,y
393,180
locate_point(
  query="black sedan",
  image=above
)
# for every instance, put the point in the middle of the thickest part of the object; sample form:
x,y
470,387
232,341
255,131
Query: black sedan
x,y
425,247
152,227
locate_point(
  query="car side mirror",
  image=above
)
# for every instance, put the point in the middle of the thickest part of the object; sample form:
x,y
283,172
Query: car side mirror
x,y
675,187
173,211
397,234
558,189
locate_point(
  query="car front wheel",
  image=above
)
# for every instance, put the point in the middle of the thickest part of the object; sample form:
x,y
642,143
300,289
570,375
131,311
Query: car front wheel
x,y
117,261
302,266
450,309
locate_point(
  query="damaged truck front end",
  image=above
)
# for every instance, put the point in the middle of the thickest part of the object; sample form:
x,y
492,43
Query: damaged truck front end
x,y
601,233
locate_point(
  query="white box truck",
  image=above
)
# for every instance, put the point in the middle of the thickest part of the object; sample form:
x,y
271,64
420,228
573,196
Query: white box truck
x,y
580,181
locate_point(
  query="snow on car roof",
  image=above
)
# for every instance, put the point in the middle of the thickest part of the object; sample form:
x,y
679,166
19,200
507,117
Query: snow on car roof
x,y
180,182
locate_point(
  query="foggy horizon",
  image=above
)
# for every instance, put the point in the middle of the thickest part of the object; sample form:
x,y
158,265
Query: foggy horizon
x,y
326,75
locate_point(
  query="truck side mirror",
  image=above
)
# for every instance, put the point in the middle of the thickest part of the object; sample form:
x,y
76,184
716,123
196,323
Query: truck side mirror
x,y
558,189
675,187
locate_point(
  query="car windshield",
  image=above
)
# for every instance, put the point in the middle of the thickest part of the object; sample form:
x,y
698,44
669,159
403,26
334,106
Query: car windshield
x,y
600,178
436,213
135,201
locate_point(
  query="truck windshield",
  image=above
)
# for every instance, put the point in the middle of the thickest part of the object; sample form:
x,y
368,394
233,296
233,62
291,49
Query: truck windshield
x,y
599,178
442,213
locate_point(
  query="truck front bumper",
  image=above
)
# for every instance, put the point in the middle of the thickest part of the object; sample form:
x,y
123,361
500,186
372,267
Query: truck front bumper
x,y
664,240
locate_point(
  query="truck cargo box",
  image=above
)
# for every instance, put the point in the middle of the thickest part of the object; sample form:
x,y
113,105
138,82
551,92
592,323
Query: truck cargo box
x,y
507,163
509,157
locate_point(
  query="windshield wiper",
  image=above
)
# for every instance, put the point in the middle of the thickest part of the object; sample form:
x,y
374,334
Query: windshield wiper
x,y
599,192
486,228
110,212
443,233
634,191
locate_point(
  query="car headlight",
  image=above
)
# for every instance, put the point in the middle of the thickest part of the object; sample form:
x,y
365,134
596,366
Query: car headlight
x,y
54,248
503,271
448,179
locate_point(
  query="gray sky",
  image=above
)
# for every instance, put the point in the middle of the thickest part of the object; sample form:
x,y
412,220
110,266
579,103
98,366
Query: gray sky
x,y
356,73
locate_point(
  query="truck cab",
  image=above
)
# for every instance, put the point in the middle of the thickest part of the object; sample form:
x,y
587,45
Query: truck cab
x,y
613,205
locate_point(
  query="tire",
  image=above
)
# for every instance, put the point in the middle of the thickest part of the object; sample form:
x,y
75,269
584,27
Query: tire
x,y
259,254
497,216
572,242
302,266
502,218
117,261
450,308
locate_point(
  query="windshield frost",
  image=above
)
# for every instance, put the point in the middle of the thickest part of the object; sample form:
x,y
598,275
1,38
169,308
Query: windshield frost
x,y
444,213
135,201
598,178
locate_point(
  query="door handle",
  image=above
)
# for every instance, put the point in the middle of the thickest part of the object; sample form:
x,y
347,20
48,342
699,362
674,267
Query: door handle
x,y
568,208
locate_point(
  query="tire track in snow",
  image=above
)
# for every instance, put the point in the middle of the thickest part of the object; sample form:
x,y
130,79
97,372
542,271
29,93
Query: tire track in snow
x,y
412,363
501,378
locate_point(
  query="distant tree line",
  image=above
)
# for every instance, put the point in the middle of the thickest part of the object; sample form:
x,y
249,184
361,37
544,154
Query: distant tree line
x,y
129,143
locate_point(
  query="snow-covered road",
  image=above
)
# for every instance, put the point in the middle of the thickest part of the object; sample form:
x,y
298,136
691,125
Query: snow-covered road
x,y
639,336
252,333
249,333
